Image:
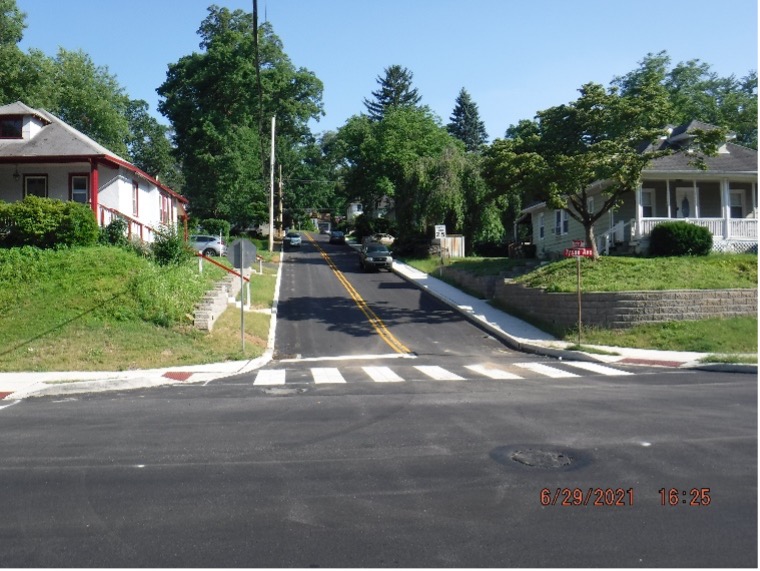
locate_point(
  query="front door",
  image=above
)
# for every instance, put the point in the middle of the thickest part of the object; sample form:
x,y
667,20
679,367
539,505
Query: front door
x,y
686,203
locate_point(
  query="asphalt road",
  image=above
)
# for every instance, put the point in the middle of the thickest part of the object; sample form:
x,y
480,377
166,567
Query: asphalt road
x,y
386,461
424,474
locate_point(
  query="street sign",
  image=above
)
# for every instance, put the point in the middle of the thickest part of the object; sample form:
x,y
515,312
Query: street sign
x,y
242,253
440,230
578,253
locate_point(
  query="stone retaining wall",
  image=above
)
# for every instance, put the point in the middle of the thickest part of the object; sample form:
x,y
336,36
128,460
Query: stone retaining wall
x,y
612,310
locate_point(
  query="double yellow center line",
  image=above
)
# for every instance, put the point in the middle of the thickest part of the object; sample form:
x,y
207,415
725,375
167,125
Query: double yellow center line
x,y
374,320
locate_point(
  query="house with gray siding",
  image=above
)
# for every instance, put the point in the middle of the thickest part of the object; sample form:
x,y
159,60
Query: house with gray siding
x,y
722,198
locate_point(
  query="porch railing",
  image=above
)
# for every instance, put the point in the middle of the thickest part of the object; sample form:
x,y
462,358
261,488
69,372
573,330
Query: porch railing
x,y
135,229
737,228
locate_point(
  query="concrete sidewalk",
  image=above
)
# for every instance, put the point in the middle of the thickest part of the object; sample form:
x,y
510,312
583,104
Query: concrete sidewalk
x,y
514,332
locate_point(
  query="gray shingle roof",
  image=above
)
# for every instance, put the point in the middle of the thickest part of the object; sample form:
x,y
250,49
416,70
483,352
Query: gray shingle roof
x,y
55,139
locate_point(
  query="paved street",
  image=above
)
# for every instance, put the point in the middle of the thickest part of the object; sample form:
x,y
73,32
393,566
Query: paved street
x,y
388,431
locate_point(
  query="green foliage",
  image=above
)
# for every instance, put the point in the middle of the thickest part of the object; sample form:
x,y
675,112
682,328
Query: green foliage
x,y
215,226
48,223
466,124
169,248
680,239
395,92
222,126
115,234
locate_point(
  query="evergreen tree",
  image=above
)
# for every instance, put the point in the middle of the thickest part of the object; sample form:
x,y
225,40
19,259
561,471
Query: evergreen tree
x,y
395,91
466,124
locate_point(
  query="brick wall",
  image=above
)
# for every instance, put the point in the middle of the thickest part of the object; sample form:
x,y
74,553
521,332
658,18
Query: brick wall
x,y
613,310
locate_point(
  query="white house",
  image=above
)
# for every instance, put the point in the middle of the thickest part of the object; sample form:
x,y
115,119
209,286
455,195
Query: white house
x,y
722,198
42,155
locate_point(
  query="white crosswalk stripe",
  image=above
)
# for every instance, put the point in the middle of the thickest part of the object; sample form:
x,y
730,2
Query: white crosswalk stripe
x,y
270,377
492,372
382,375
438,373
546,370
400,374
597,368
324,375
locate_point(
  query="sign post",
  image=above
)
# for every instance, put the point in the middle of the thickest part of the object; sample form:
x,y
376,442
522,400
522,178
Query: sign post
x,y
578,251
242,254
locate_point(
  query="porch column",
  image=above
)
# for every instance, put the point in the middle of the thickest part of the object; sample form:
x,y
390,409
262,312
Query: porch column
x,y
94,186
725,200
639,211
696,198
667,198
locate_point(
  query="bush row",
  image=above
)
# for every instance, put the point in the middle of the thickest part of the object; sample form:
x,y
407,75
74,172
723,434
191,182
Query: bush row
x,y
47,223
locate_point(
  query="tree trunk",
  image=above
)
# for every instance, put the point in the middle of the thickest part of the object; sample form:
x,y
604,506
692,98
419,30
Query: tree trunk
x,y
591,241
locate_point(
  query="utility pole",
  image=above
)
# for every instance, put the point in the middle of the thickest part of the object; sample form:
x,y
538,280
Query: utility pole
x,y
271,193
280,188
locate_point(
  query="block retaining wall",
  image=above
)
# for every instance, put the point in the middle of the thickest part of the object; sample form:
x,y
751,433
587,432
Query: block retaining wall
x,y
612,310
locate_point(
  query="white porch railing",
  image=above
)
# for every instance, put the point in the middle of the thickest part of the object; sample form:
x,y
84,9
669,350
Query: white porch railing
x,y
736,228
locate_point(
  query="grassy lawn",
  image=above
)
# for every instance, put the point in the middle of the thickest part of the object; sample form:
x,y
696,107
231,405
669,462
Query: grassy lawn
x,y
720,336
105,308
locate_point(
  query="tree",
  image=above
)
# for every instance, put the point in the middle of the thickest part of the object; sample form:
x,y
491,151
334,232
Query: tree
x,y
148,143
596,138
696,92
466,124
12,23
210,100
395,91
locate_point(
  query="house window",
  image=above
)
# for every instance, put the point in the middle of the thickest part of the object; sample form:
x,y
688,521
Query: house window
x,y
541,230
736,204
358,208
79,188
590,204
36,185
561,222
647,203
10,127
135,193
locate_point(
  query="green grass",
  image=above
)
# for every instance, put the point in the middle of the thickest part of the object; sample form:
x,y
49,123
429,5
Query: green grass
x,y
735,335
105,308
719,271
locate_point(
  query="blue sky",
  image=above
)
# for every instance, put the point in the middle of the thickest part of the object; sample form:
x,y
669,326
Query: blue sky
x,y
514,57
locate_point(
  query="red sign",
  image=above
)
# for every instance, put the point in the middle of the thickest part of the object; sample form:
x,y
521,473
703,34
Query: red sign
x,y
578,252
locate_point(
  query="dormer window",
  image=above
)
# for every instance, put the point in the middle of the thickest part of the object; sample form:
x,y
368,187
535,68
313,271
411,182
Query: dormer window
x,y
10,127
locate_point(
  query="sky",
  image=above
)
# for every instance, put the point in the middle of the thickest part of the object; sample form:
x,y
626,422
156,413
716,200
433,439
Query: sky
x,y
514,57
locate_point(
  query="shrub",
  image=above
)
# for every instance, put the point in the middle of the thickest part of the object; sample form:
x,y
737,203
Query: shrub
x,y
115,234
169,248
680,239
215,226
47,223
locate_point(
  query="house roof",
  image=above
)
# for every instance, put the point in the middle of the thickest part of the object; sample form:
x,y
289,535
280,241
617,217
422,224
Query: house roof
x,y
59,142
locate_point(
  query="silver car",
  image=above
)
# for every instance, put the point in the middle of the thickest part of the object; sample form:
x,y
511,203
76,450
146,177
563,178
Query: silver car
x,y
208,245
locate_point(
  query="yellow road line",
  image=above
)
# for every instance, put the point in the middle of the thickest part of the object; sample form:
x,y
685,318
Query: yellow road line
x,y
374,320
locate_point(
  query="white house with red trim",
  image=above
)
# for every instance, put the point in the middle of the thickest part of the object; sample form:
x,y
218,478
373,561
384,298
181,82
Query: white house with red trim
x,y
42,155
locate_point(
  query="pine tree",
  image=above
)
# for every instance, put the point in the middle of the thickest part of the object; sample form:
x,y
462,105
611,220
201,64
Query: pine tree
x,y
395,91
466,124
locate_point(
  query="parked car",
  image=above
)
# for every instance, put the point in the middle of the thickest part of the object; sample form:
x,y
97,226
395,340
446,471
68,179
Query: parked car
x,y
292,239
208,245
375,255
337,237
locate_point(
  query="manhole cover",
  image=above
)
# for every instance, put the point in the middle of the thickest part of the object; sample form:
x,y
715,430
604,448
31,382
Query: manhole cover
x,y
542,458
539,457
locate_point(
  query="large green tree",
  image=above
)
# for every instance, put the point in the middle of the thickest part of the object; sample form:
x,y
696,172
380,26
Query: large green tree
x,y
697,92
213,105
395,91
465,123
